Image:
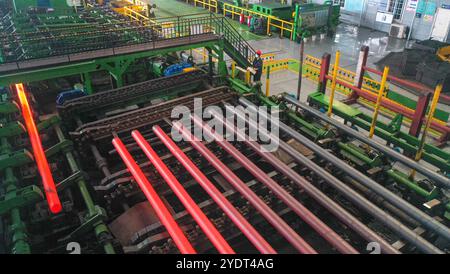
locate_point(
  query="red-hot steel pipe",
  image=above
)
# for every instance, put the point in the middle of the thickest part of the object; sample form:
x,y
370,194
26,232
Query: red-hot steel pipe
x,y
161,210
240,186
39,155
307,216
202,220
247,229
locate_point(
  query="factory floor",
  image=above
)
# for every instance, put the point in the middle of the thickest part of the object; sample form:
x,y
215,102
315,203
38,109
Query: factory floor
x,y
348,40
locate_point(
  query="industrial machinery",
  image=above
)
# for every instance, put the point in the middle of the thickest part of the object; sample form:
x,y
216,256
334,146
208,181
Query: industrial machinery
x,y
106,170
295,20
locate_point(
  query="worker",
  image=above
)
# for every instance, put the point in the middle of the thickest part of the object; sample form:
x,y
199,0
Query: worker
x,y
257,67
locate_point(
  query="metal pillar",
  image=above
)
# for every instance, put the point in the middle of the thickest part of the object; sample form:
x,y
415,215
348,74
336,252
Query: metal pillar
x,y
324,69
419,115
300,68
87,81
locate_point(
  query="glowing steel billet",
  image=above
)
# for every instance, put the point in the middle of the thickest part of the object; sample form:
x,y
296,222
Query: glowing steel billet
x,y
202,220
247,229
161,210
39,155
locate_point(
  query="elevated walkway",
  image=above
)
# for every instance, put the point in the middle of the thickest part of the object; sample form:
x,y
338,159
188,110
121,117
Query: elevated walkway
x,y
168,34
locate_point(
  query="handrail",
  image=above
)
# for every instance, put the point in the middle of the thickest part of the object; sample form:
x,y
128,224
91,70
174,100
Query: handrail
x,y
211,4
272,21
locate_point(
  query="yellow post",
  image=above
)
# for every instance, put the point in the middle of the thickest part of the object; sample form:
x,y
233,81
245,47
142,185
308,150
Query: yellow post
x,y
268,25
233,69
333,83
247,77
204,55
434,102
268,81
378,104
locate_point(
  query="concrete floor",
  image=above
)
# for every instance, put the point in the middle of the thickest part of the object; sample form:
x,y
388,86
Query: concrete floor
x,y
348,39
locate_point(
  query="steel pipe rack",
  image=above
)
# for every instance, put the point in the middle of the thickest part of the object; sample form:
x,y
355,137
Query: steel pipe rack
x,y
391,132
426,220
247,229
354,196
314,192
291,236
307,216
197,214
437,178
163,213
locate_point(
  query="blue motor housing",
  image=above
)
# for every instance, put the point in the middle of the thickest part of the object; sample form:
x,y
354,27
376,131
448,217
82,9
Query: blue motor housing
x,y
176,68
69,95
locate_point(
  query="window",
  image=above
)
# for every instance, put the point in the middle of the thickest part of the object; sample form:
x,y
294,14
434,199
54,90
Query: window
x,y
396,8
339,2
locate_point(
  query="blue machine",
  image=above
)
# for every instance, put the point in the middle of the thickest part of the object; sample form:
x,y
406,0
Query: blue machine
x,y
69,95
176,68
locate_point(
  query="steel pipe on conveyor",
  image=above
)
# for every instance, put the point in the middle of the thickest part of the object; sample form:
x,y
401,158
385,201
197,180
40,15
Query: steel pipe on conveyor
x,y
157,204
423,218
348,192
39,155
307,216
436,177
282,227
314,192
247,229
197,214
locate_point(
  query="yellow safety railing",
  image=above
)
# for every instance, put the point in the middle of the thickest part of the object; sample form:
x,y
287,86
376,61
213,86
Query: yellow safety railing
x,y
277,65
204,53
312,69
280,24
137,16
165,29
211,5
272,21
138,3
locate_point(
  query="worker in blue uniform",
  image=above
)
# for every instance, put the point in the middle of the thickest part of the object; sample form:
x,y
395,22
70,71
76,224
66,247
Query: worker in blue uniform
x,y
257,66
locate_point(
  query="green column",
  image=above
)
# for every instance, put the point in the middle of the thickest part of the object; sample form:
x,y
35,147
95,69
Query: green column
x,y
100,228
87,82
19,238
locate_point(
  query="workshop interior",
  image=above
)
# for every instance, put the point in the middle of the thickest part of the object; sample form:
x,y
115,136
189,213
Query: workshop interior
x,y
224,127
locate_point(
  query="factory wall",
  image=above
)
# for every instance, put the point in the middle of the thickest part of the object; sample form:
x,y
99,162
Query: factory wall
x,y
364,13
